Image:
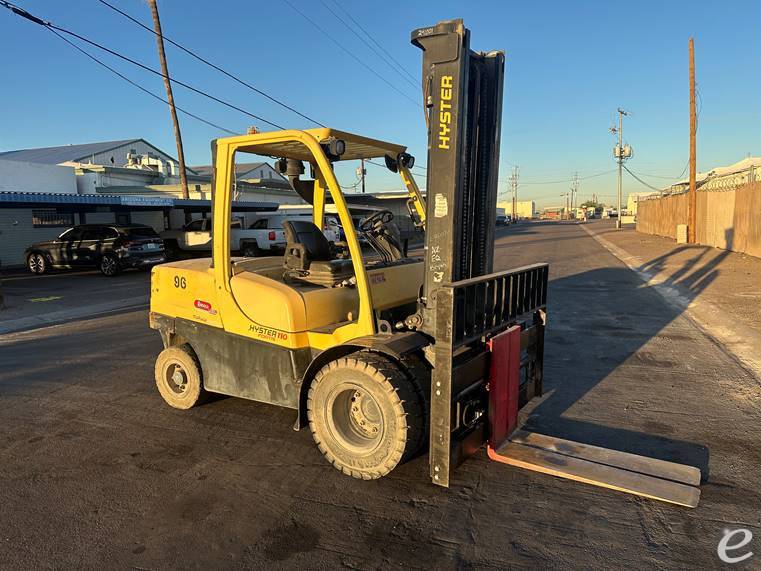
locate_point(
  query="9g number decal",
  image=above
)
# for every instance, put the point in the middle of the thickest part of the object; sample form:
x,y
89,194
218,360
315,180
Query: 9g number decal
x,y
179,282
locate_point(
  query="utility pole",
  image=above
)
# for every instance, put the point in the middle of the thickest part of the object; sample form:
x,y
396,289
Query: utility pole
x,y
692,222
514,192
575,190
361,172
621,153
170,98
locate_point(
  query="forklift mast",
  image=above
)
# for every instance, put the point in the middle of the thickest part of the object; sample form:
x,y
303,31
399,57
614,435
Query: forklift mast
x,y
464,306
463,98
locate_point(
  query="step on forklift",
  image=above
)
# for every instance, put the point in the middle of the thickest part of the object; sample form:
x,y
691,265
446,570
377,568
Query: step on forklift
x,y
385,356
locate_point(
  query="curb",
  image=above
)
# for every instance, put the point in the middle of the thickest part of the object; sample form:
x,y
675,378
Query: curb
x,y
736,338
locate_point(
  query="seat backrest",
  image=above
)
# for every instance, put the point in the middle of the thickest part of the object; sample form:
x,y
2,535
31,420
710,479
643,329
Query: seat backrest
x,y
304,232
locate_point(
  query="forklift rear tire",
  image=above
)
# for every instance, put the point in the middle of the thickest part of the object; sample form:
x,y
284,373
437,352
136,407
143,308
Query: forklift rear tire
x,y
365,414
178,377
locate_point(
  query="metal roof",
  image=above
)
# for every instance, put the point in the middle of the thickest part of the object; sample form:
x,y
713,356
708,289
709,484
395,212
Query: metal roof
x,y
62,154
240,168
43,199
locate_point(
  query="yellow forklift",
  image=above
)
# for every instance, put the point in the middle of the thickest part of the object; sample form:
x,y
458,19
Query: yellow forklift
x,y
381,354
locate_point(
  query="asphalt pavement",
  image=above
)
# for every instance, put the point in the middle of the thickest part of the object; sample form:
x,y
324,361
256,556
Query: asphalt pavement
x,y
33,301
97,472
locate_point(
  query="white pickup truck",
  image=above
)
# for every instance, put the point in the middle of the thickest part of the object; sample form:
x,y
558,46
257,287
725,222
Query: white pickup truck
x,y
265,237
195,237
331,229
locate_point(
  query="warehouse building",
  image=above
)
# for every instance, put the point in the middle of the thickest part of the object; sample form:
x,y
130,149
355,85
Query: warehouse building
x,y
44,191
524,209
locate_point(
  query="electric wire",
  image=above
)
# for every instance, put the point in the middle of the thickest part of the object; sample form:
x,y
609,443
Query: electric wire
x,y
212,65
567,180
350,53
364,41
55,29
140,87
658,176
372,39
641,181
24,14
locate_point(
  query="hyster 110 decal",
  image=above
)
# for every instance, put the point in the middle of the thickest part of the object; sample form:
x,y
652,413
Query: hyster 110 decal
x,y
267,333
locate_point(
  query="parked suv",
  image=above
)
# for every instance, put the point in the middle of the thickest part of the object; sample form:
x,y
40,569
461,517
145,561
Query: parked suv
x,y
110,248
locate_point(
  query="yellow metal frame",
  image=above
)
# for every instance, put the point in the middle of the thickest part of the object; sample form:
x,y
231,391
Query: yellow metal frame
x,y
416,197
302,145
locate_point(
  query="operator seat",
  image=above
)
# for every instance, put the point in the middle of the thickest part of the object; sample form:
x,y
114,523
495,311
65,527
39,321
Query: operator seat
x,y
308,255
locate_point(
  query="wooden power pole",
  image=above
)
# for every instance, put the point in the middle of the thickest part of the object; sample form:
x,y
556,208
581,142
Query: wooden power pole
x,y
170,97
693,198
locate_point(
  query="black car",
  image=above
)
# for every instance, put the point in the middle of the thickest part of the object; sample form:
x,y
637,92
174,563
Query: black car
x,y
502,220
107,247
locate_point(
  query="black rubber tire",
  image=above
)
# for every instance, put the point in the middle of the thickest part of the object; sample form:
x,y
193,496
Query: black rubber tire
x,y
37,263
393,399
183,395
109,266
251,250
171,250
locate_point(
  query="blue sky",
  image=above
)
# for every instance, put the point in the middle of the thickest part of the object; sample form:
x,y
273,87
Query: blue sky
x,y
569,65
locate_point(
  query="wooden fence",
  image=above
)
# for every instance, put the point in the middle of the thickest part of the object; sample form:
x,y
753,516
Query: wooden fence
x,y
727,219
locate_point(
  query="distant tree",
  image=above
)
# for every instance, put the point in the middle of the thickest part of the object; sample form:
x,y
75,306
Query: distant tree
x,y
590,204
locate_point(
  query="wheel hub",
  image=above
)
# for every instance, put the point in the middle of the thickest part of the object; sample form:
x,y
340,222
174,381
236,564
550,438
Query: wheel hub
x,y
178,379
364,414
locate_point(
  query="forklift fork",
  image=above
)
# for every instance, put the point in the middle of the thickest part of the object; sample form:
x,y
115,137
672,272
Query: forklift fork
x,y
639,475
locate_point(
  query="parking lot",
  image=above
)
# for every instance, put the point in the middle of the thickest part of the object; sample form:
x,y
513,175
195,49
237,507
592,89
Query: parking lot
x,y
96,471
34,301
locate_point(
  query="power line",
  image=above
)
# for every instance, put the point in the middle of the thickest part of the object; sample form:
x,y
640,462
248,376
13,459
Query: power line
x,y
364,41
54,28
140,87
24,14
640,180
372,39
210,64
659,176
349,53
567,180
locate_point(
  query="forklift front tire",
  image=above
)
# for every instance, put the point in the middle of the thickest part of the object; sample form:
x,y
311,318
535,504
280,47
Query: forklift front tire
x,y
178,377
365,415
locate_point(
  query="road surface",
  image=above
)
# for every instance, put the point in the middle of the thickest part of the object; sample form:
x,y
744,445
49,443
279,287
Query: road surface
x,y
96,472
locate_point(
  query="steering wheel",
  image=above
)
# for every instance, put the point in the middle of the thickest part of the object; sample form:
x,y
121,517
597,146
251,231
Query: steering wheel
x,y
382,216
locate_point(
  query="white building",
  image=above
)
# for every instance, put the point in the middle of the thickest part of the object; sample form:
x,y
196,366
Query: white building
x,y
524,209
246,171
44,191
